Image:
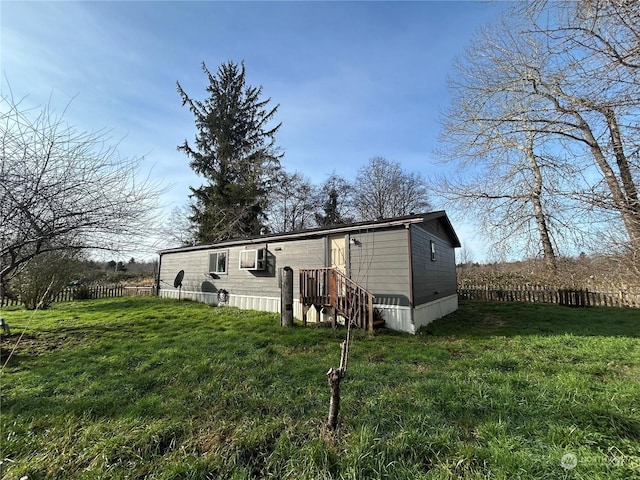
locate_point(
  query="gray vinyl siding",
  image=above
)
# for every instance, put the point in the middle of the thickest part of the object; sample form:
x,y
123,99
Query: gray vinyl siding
x,y
431,279
191,262
305,253
377,258
379,262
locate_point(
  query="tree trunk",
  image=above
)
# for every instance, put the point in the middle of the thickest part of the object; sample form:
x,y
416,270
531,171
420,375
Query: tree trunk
x,y
623,199
334,376
539,215
631,213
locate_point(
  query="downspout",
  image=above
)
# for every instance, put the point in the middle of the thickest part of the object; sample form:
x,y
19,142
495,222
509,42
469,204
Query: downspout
x,y
327,251
410,270
323,312
158,275
347,255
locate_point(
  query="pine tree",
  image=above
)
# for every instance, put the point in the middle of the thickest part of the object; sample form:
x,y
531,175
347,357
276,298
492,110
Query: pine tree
x,y
234,151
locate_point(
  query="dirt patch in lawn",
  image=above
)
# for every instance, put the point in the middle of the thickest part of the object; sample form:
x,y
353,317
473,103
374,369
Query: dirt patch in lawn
x,y
16,347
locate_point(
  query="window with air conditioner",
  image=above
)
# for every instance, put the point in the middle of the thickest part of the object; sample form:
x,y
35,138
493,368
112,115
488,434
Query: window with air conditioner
x,y
253,259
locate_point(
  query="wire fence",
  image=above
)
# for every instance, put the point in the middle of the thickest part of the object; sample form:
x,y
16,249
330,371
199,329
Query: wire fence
x,y
545,294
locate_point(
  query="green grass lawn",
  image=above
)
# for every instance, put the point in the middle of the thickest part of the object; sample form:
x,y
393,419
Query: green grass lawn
x,y
147,388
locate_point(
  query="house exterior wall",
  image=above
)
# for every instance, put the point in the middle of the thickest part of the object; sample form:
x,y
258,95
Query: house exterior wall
x,y
200,285
386,261
432,279
379,261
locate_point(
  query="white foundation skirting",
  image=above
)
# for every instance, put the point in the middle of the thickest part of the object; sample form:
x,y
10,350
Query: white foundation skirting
x,y
396,317
203,297
428,312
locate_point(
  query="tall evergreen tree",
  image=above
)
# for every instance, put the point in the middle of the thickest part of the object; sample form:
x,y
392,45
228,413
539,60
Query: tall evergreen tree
x,y
234,151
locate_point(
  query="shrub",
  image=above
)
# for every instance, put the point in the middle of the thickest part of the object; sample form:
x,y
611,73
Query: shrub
x,y
82,293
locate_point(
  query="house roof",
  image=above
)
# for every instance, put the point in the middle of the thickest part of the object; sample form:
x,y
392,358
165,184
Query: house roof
x,y
321,231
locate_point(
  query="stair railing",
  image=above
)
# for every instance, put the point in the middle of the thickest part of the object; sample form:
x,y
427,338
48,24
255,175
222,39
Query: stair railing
x,y
329,287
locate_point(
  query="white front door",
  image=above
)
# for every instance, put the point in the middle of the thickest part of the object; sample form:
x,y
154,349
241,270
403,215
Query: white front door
x,y
338,253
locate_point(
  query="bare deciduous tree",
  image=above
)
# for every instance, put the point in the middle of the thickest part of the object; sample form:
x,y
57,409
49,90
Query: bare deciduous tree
x,y
335,202
65,189
178,230
382,189
599,40
571,113
292,203
490,136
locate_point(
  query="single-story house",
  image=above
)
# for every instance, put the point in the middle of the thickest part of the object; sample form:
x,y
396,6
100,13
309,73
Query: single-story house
x,y
406,263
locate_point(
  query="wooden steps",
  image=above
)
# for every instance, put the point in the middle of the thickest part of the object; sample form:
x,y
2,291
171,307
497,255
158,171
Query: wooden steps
x,y
330,288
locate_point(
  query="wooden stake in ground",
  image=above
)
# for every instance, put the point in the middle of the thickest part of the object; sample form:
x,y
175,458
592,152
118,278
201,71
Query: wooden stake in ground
x,y
286,298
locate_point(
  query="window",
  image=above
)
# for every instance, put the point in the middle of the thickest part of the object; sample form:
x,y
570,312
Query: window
x,y
433,250
218,262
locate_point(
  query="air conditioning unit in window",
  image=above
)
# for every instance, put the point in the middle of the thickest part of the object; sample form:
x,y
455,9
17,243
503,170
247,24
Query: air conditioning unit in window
x,y
253,259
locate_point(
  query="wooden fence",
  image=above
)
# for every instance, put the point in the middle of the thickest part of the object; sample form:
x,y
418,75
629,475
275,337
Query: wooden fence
x,y
544,294
138,291
98,291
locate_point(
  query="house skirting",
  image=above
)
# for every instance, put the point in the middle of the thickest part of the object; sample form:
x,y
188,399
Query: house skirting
x,y
396,317
204,297
399,317
428,312
245,302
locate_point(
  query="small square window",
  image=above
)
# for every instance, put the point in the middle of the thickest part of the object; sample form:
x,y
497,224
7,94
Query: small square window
x,y
218,262
433,250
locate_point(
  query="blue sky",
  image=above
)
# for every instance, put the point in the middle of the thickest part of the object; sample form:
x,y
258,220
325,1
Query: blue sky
x,y
354,80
